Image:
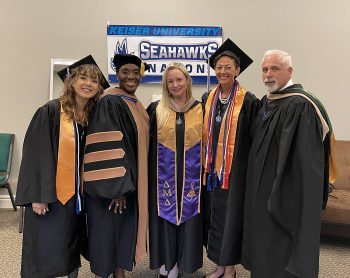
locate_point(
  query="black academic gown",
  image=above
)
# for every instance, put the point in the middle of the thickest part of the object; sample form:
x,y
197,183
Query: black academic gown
x,y
112,237
223,209
51,243
169,243
284,191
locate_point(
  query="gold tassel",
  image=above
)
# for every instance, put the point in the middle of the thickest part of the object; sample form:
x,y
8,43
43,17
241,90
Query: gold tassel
x,y
142,68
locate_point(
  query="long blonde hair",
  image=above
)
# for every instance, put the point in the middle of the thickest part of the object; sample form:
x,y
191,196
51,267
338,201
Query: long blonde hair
x,y
68,93
163,106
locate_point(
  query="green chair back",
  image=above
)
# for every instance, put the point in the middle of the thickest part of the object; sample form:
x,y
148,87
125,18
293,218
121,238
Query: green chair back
x,y
6,143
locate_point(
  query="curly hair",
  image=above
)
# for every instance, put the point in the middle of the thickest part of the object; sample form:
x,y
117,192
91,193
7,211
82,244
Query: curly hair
x,y
68,93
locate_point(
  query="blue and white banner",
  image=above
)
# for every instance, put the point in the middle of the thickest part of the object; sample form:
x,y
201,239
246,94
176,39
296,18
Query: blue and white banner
x,y
160,45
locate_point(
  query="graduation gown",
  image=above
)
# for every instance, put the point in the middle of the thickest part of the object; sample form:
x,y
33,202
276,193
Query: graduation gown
x,y
285,188
51,243
171,243
113,132
223,208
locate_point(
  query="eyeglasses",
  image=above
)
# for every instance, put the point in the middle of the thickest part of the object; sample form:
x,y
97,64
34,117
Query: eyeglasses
x,y
225,68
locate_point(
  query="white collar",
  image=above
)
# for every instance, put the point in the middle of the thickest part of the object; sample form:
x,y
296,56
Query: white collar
x,y
289,83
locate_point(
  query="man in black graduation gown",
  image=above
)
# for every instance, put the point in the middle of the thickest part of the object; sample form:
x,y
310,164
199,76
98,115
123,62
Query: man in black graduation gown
x,y
115,173
287,178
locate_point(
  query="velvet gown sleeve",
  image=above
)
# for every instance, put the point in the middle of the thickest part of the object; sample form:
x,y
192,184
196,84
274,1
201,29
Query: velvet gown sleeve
x,y
296,197
37,175
112,114
252,107
156,231
152,161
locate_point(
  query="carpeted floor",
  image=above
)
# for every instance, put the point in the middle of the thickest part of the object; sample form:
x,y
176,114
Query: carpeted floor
x,y
334,259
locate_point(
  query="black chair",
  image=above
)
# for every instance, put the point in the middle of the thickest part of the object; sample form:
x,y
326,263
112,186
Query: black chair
x,y
6,148
21,219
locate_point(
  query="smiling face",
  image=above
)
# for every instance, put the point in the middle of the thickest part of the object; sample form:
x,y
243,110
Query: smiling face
x,y
226,71
177,84
85,87
275,72
129,78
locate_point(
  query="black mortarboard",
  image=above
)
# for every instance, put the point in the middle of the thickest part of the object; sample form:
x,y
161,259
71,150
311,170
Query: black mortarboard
x,y
229,45
120,60
88,60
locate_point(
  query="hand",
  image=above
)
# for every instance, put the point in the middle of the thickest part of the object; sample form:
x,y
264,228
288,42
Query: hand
x,y
40,208
120,204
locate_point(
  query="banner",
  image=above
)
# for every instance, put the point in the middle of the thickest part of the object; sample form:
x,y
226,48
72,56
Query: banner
x,y
160,45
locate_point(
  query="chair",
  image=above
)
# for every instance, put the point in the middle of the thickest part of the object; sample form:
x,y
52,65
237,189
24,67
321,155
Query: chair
x,y
336,217
6,148
21,219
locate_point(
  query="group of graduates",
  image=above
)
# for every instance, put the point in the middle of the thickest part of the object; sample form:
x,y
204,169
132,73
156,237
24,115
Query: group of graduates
x,y
246,178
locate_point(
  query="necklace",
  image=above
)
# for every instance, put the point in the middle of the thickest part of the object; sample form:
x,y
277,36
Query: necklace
x,y
223,100
218,117
179,121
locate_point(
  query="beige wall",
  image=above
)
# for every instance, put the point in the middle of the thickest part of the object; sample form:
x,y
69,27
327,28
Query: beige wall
x,y
315,32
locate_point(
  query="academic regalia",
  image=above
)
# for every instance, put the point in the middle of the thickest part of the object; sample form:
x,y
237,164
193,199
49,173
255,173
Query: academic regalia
x,y
175,221
52,242
224,191
116,165
287,185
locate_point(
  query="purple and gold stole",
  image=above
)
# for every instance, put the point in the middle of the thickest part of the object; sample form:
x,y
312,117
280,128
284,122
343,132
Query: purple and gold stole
x,y
167,171
68,172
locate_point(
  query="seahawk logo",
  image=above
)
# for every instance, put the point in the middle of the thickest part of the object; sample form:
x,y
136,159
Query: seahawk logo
x,y
120,48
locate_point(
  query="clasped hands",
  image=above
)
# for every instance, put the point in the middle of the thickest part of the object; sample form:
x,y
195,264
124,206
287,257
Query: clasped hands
x,y
40,208
119,204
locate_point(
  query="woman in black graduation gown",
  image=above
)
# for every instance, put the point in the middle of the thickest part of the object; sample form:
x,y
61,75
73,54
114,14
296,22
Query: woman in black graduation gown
x,y
175,222
227,133
48,183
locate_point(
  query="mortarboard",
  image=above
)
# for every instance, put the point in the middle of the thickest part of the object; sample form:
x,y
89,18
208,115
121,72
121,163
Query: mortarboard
x,y
120,60
88,60
229,45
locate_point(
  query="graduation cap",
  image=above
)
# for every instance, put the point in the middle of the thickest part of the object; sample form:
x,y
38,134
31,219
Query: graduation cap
x,y
120,60
243,59
88,60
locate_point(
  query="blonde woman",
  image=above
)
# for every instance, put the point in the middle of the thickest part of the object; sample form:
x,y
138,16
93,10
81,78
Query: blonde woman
x,y
48,183
175,222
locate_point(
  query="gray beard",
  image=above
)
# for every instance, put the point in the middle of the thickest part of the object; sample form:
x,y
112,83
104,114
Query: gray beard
x,y
271,89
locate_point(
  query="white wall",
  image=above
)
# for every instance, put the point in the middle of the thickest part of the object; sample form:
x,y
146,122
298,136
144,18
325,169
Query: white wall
x,y
315,32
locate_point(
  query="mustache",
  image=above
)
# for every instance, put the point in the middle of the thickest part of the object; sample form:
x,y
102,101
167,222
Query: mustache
x,y
268,80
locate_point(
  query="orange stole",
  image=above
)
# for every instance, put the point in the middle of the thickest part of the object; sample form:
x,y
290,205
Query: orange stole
x,y
232,129
65,176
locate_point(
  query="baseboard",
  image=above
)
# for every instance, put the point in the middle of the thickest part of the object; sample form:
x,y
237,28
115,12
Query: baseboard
x,y
335,229
5,201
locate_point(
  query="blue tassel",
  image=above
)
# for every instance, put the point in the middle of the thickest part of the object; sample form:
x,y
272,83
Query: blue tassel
x,y
77,211
208,179
221,177
215,180
209,188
